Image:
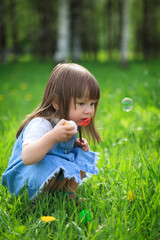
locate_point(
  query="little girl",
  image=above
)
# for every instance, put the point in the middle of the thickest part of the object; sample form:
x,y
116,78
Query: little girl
x,y
47,155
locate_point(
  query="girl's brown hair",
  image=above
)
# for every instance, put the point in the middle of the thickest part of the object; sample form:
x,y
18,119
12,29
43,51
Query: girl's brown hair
x,y
67,80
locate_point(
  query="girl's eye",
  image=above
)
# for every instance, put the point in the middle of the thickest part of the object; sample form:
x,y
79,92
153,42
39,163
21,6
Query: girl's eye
x,y
81,103
92,104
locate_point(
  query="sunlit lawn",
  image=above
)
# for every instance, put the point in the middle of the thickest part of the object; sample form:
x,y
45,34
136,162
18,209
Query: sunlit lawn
x,y
124,199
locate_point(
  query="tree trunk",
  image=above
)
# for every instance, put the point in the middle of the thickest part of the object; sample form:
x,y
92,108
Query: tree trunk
x,y
44,28
125,32
2,32
145,25
14,29
150,29
63,32
43,34
109,28
119,23
76,29
93,33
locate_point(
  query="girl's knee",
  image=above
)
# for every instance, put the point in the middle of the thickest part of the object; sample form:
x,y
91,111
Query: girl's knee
x,y
82,174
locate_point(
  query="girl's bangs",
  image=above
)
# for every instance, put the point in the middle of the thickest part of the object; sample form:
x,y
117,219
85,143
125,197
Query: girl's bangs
x,y
80,83
88,91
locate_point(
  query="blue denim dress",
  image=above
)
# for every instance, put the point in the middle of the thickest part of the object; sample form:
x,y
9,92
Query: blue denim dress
x,y
62,156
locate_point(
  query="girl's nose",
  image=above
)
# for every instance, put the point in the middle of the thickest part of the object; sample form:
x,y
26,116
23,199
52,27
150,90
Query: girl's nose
x,y
88,109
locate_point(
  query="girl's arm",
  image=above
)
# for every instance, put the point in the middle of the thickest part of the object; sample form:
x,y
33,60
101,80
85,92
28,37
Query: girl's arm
x,y
34,152
84,144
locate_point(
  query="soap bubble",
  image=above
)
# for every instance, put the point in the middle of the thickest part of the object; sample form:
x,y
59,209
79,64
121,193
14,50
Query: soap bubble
x,y
127,104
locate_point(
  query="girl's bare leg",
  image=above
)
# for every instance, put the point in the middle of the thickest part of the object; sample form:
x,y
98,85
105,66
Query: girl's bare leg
x,y
54,185
71,185
67,185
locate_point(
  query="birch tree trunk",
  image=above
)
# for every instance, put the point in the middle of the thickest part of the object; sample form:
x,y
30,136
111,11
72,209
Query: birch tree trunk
x,y
125,32
63,32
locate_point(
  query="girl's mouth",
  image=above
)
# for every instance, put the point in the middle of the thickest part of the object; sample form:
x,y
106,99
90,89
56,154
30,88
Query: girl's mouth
x,y
83,119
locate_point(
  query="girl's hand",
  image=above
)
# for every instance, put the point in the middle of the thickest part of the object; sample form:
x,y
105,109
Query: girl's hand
x,y
62,133
34,152
84,144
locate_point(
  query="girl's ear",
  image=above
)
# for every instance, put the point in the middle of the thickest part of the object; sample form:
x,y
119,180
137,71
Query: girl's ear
x,y
55,105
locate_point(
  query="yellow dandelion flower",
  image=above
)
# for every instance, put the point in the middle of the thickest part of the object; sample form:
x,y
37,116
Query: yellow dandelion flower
x,y
28,97
130,196
1,97
48,218
23,86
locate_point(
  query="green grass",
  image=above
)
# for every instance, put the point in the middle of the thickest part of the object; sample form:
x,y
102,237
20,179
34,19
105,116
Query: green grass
x,y
129,157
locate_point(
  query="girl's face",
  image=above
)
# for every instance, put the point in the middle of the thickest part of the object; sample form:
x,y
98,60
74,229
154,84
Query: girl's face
x,y
81,109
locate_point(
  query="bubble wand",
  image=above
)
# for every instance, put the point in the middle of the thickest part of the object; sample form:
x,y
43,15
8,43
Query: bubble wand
x,y
84,123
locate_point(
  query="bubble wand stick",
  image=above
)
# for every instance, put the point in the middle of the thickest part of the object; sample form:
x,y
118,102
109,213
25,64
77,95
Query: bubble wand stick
x,y
84,123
